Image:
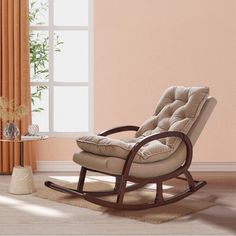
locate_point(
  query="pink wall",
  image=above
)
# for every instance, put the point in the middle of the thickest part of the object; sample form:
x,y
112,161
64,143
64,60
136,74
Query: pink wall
x,y
144,46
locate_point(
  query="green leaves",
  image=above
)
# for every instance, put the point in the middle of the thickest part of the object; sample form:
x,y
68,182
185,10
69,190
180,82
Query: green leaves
x,y
39,51
38,109
37,95
35,10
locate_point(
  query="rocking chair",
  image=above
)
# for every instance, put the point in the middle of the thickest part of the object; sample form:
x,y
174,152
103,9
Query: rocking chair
x,y
160,150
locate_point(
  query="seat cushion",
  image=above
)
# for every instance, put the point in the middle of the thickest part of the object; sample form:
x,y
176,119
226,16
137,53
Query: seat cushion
x,y
114,165
119,148
177,110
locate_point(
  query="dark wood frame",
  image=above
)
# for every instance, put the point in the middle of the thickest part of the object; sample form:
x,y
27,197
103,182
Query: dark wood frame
x,y
121,180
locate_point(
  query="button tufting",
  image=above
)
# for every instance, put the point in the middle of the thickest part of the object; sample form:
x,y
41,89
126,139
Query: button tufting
x,y
173,110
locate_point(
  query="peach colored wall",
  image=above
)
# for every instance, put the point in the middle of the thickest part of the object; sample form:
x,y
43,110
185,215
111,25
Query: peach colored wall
x,y
143,46
55,149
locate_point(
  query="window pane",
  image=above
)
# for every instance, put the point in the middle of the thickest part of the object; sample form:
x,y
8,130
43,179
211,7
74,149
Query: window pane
x,y
38,12
39,96
71,12
71,109
71,62
39,55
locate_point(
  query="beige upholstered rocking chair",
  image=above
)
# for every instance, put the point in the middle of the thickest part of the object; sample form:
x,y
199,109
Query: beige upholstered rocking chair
x,y
160,150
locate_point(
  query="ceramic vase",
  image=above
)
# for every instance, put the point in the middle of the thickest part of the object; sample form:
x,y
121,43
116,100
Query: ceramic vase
x,y
10,131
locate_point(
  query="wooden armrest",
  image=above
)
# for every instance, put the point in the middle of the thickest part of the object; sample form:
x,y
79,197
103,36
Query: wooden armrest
x,y
153,137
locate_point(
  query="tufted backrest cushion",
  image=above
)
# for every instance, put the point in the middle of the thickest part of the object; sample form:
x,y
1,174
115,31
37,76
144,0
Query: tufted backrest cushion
x,y
177,110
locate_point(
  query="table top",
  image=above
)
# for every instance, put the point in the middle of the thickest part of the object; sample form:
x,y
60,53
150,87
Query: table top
x,y
24,139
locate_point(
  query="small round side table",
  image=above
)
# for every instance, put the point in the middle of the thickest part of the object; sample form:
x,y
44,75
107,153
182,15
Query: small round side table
x,y
22,177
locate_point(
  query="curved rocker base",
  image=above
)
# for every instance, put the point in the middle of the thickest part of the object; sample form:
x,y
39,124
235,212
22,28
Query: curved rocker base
x,y
93,197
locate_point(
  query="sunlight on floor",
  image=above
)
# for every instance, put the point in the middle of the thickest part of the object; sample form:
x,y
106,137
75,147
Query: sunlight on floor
x,y
109,179
31,208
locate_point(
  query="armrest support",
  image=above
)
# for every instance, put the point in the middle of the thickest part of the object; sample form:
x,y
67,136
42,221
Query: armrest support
x,y
150,138
119,129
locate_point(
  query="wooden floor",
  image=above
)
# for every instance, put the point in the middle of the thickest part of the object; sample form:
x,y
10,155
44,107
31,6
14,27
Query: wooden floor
x,y
28,215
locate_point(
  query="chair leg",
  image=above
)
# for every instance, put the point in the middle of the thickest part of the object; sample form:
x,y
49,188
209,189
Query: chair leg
x,y
117,184
159,193
81,179
121,193
190,180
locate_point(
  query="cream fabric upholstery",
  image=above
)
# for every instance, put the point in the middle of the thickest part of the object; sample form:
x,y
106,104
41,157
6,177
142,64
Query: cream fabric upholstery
x,y
115,165
200,123
177,110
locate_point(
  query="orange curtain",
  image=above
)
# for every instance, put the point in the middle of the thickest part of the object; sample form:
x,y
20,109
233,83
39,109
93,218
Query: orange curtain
x,y
14,74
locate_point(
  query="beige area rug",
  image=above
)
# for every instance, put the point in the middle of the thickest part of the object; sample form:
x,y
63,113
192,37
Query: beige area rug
x,y
155,215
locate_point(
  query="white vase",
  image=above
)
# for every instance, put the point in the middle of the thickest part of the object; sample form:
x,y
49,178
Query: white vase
x,y
33,129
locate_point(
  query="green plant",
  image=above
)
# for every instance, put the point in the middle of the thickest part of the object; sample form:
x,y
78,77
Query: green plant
x,y
37,9
39,56
39,50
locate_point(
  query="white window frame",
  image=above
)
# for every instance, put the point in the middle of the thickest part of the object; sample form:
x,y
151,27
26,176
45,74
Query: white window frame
x,y
50,28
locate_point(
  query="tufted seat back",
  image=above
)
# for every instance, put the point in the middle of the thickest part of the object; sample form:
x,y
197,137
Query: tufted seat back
x,y
177,110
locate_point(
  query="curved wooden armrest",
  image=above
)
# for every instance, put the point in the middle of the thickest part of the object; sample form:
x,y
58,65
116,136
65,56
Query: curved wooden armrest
x,y
153,137
119,129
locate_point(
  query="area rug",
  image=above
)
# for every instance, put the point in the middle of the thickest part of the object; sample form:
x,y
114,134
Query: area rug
x,y
157,215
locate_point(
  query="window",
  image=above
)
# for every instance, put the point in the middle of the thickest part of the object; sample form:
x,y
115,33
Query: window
x,y
60,55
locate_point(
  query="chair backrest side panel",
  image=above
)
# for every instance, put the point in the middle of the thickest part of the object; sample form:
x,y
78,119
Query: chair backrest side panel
x,y
201,121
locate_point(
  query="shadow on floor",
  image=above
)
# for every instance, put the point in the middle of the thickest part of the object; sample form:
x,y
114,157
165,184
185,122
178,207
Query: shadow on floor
x,y
222,215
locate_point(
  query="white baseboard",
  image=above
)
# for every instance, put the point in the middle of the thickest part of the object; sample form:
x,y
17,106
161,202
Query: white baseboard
x,y
213,166
54,166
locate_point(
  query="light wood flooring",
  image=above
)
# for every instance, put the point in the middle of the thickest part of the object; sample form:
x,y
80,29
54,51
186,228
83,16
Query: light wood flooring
x,y
28,215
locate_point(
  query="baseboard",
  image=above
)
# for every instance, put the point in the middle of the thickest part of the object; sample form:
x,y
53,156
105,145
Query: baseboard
x,y
213,166
55,166
44,166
